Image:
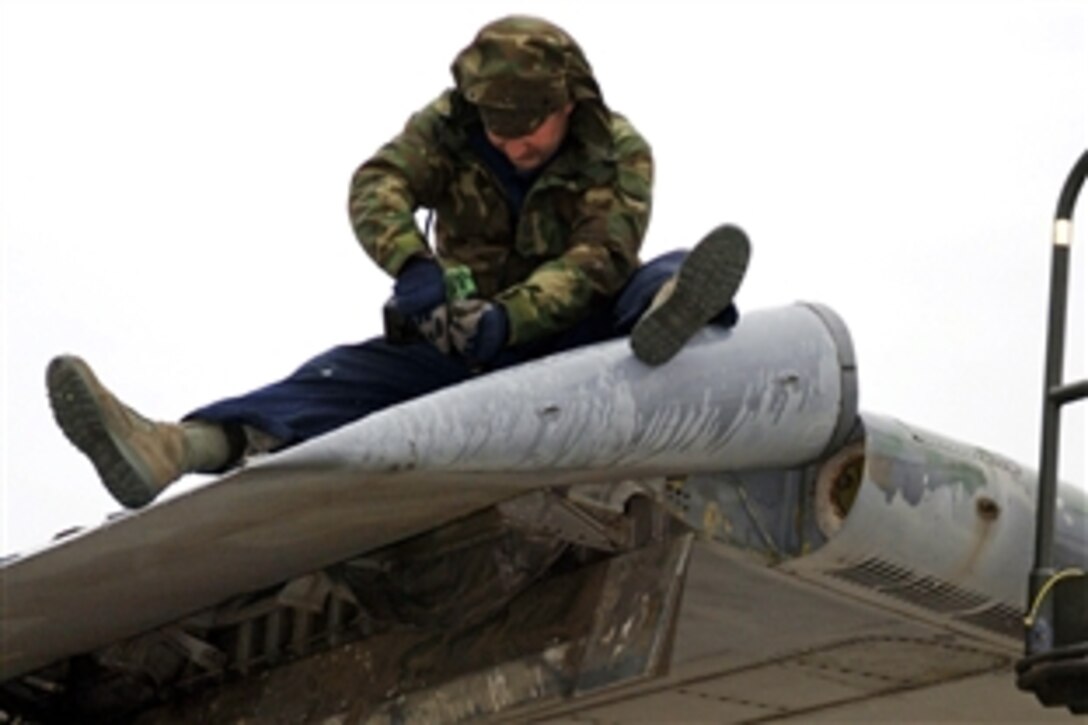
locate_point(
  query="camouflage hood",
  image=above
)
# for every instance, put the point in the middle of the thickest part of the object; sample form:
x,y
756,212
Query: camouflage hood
x,y
518,69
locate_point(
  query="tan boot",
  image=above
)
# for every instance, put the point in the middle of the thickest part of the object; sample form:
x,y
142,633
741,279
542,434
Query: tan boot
x,y
702,289
136,458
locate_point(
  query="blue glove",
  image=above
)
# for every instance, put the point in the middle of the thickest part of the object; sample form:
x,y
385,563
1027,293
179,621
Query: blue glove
x,y
478,329
490,337
419,288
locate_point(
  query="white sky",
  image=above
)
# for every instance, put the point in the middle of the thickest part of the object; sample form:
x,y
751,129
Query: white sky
x,y
173,184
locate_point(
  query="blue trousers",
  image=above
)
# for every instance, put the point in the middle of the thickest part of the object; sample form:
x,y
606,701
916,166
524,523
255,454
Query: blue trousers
x,y
350,382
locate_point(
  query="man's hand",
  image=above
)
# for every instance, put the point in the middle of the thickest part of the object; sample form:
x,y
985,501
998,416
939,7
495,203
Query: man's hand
x,y
476,329
419,288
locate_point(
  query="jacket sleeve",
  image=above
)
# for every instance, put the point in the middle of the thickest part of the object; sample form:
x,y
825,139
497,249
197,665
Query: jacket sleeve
x,y
386,190
609,226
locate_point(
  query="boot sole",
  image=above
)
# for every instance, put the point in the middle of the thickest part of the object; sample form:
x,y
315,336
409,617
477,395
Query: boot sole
x,y
705,285
78,415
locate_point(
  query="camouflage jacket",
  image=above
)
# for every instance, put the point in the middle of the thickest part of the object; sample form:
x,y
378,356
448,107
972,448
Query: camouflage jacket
x,y
575,241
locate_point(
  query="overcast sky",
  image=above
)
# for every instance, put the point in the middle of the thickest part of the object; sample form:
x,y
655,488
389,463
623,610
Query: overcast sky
x,y
173,185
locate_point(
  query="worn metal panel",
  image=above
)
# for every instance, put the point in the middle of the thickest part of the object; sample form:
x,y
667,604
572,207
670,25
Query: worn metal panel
x,y
758,644
798,685
957,513
673,705
771,392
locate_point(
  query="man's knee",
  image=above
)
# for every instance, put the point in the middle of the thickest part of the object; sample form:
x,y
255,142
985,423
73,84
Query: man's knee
x,y
639,292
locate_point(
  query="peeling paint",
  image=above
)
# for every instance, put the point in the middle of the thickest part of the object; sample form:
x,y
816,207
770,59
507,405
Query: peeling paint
x,y
969,525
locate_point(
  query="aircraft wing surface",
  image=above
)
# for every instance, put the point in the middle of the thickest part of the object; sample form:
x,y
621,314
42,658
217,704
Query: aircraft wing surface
x,y
777,390
584,538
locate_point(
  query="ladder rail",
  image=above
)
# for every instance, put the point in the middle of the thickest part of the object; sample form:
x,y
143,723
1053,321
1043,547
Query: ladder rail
x,y
1056,394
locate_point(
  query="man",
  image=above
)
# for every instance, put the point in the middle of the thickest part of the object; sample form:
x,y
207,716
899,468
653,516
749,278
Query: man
x,y
541,197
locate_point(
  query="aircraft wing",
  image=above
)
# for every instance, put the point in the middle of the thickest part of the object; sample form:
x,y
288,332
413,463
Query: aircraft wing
x,y
719,538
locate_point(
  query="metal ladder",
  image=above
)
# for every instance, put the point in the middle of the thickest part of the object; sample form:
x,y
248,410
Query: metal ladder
x,y
1055,663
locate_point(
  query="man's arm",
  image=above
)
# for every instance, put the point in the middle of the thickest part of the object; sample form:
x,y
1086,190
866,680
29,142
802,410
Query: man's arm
x,y
606,238
387,189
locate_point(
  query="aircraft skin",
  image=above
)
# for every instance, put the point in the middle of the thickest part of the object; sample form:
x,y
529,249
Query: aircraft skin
x,y
723,538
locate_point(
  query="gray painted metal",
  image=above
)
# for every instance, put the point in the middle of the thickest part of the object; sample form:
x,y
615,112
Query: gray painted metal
x,y
937,527
746,643
948,524
772,392
756,644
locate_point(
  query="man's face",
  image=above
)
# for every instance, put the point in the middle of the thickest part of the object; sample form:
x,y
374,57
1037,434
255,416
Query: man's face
x,y
530,152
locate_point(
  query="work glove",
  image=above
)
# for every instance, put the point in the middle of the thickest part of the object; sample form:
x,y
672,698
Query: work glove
x,y
420,287
475,329
479,329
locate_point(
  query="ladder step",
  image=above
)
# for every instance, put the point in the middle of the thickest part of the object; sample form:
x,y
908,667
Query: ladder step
x,y
1063,394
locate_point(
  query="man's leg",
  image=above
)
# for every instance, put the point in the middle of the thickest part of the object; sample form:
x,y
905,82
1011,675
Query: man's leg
x,y
648,286
700,291
137,458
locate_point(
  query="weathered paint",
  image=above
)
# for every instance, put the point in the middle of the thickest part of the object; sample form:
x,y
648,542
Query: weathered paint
x,y
770,392
932,523
955,513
